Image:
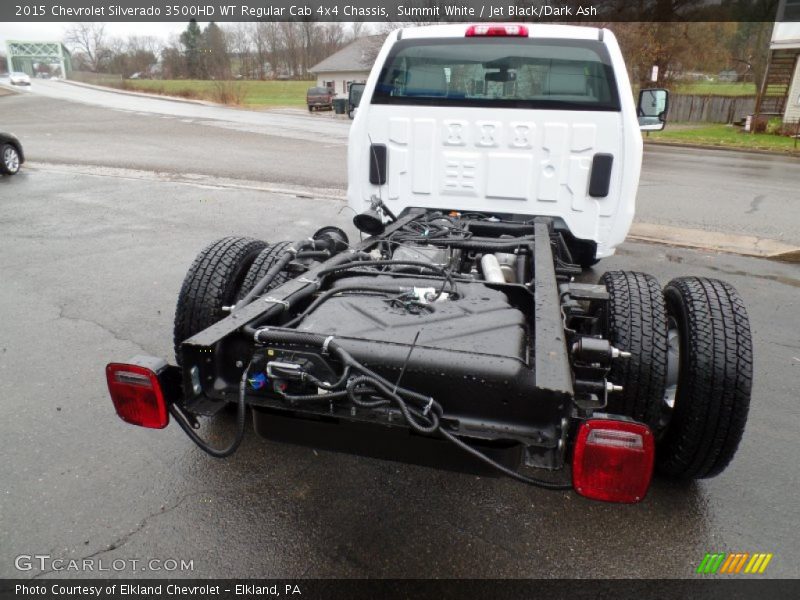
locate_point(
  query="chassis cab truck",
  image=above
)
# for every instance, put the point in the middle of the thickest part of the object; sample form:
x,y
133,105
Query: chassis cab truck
x,y
489,166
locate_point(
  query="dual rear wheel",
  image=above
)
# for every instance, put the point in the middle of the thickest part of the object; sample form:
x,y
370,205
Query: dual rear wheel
x,y
222,274
690,372
688,377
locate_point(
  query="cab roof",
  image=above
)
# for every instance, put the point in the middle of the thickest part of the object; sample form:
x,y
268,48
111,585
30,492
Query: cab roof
x,y
567,32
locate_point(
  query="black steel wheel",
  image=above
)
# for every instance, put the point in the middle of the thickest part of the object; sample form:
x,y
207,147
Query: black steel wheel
x,y
636,322
265,260
9,159
212,282
711,329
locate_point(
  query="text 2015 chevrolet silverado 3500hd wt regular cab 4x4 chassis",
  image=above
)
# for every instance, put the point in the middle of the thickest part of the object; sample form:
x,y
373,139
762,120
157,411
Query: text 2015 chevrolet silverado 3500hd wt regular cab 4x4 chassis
x,y
488,164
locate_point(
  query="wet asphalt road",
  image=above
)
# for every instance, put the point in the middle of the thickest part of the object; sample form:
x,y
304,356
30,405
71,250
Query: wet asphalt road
x,y
730,192
90,267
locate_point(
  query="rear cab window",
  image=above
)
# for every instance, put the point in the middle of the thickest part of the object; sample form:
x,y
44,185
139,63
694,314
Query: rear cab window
x,y
499,73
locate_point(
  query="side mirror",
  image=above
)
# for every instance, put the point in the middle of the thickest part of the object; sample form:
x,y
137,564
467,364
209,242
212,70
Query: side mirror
x,y
652,109
355,93
354,98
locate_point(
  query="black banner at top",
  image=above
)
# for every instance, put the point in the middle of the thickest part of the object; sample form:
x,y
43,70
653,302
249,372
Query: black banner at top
x,y
416,11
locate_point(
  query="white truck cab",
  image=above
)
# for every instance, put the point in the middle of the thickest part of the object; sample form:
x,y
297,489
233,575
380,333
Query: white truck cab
x,y
523,120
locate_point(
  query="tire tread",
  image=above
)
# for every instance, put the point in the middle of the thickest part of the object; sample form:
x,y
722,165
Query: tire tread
x,y
209,284
716,379
261,265
637,323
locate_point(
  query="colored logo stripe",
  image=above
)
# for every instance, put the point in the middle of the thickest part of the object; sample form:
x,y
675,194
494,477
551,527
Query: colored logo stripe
x,y
758,564
711,562
734,563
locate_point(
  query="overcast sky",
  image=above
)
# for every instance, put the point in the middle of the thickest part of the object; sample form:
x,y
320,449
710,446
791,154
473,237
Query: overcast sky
x,y
55,31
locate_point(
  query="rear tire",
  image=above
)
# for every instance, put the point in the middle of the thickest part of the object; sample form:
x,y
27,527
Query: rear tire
x,y
637,323
213,281
261,266
714,380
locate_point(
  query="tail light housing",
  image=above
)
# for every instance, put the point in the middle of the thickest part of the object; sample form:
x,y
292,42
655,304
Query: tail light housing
x,y
496,31
137,395
613,460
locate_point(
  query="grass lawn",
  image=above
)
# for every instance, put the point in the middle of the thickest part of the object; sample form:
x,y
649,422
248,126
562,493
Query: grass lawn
x,y
257,94
253,93
724,136
710,88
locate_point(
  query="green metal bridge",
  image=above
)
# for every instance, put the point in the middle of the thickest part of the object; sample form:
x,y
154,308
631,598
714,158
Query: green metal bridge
x,y
24,56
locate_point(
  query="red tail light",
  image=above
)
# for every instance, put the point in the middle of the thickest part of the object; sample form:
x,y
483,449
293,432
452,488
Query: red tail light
x,y
137,395
613,460
497,31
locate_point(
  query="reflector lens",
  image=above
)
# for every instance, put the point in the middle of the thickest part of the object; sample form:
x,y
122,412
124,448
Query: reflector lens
x,y
497,31
615,439
613,460
137,396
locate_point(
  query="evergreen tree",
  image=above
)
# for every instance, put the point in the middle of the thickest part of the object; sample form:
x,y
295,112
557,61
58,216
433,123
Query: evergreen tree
x,y
192,42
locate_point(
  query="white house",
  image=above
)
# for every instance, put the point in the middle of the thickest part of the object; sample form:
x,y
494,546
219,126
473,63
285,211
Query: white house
x,y
351,64
780,93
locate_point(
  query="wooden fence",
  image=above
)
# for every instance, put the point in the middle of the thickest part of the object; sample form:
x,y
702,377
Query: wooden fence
x,y
710,109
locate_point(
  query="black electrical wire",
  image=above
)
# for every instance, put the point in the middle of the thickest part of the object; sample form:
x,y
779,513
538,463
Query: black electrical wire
x,y
279,265
241,412
549,485
410,414
445,273
425,418
325,296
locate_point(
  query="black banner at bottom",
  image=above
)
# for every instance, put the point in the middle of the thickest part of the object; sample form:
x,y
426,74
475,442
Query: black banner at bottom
x,y
389,589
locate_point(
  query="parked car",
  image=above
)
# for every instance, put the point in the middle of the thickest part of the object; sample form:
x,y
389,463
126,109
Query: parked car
x,y
16,78
11,156
319,97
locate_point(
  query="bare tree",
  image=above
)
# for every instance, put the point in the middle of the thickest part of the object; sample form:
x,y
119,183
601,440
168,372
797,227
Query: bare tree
x,y
292,34
89,40
238,40
260,38
357,29
215,62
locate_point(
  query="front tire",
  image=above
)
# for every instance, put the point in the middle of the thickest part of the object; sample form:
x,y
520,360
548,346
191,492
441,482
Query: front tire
x,y
9,160
714,381
213,281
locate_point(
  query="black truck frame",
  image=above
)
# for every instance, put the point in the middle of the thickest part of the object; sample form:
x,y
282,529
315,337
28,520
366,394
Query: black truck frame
x,y
351,348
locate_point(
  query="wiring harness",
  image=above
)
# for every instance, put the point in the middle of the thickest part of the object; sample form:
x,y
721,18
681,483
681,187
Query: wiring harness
x,y
367,389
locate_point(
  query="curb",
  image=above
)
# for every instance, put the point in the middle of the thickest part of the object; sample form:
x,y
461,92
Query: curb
x,y
697,239
790,154
168,98
7,89
112,90
700,239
